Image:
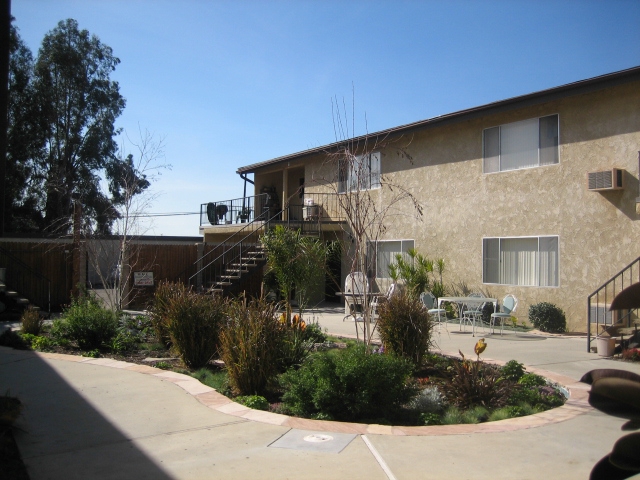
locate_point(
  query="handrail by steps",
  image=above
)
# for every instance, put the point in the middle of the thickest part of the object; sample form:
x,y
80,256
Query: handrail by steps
x,y
598,302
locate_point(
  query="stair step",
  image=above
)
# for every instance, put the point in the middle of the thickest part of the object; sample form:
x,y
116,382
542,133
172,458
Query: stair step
x,y
22,301
237,270
230,277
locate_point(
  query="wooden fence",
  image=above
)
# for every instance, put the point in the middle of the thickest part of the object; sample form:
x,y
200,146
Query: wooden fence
x,y
27,261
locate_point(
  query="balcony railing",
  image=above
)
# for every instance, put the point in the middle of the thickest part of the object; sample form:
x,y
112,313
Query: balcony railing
x,y
237,210
322,207
598,303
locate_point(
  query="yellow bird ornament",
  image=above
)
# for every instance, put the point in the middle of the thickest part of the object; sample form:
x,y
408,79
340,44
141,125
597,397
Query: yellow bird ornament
x,y
480,347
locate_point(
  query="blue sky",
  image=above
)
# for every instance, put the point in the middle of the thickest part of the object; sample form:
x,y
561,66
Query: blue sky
x,y
231,83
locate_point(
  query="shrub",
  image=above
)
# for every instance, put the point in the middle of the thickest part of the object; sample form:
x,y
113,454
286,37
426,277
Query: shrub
x,y
256,402
87,323
193,322
42,344
252,341
513,370
349,385
405,328
11,339
165,293
428,400
476,383
313,333
547,317
31,321
532,380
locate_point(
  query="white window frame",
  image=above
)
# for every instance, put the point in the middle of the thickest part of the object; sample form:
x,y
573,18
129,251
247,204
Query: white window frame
x,y
519,149
549,263
405,245
349,175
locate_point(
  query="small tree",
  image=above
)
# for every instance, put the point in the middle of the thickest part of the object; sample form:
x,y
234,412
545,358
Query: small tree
x,y
366,198
297,262
129,187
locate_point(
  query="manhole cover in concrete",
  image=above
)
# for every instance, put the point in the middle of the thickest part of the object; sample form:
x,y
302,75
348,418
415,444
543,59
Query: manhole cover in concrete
x,y
314,441
318,438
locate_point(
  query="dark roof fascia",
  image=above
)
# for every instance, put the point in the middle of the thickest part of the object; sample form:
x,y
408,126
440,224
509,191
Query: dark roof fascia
x,y
571,89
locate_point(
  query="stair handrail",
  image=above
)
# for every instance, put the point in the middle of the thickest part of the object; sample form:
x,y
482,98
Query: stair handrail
x,y
31,271
613,279
265,223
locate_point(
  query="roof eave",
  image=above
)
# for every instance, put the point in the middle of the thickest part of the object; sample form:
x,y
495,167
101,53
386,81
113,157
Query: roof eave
x,y
570,89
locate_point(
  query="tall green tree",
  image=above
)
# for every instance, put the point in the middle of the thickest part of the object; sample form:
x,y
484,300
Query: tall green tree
x,y
25,139
78,104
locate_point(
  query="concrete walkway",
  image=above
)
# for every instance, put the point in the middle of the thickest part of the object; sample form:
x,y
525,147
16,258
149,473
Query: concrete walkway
x,y
98,419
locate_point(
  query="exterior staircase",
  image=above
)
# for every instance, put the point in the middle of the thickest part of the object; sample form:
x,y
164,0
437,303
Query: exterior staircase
x,y
11,301
233,273
599,317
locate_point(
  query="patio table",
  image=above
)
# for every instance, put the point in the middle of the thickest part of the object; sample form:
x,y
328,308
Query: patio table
x,y
461,301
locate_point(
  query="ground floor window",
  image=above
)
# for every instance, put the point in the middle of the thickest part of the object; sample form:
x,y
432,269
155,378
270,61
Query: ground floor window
x,y
384,254
523,261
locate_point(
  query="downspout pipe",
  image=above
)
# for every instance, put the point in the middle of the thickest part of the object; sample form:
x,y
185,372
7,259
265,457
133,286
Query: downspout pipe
x,y
243,176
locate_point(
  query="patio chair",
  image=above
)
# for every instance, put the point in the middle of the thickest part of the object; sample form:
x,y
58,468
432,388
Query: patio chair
x,y
472,312
356,287
377,300
428,299
509,305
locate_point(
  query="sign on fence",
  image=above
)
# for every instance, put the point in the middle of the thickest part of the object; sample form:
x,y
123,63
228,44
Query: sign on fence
x,y
143,279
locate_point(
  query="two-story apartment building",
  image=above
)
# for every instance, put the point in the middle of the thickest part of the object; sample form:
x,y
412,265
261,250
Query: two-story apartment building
x,y
512,192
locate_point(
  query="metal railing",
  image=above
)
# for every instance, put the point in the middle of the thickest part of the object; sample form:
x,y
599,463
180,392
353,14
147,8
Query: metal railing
x,y
598,302
25,280
237,210
224,262
228,255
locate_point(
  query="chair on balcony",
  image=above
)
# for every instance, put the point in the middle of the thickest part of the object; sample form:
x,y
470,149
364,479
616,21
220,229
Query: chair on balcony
x,y
509,305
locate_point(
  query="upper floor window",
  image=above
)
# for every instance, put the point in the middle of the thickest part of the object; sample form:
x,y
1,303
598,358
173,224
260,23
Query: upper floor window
x,y
526,144
359,172
523,261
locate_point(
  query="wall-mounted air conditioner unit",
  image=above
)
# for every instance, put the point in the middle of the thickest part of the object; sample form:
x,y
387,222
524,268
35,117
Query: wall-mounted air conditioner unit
x,y
606,180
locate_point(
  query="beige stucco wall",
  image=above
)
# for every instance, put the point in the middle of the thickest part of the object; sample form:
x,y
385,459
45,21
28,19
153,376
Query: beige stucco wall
x,y
598,231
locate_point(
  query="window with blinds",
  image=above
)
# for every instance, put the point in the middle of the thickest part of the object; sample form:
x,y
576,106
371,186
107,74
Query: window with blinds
x,y
385,252
359,172
522,261
525,144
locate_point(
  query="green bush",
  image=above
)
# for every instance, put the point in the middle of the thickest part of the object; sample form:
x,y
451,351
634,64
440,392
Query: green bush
x,y
513,370
193,322
165,293
349,385
256,402
87,323
532,380
252,342
313,333
405,328
31,321
547,317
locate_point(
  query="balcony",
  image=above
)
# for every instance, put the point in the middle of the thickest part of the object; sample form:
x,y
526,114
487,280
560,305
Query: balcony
x,y
231,214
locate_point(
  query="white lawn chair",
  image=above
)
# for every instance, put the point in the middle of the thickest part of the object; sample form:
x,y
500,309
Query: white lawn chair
x,y
509,305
